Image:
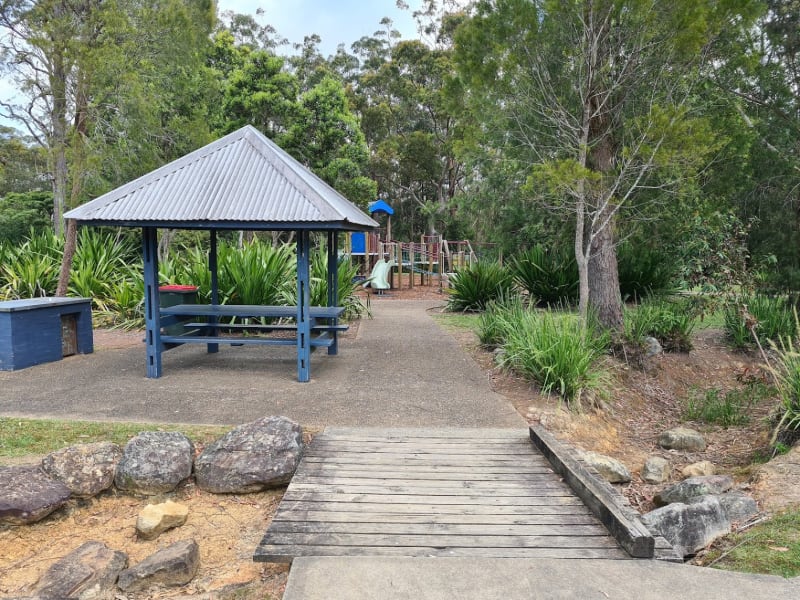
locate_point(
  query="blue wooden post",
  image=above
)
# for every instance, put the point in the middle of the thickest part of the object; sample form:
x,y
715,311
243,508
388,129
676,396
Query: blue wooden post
x,y
152,314
212,266
303,307
333,285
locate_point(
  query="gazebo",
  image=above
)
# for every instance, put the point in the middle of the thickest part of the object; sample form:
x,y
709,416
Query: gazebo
x,y
242,181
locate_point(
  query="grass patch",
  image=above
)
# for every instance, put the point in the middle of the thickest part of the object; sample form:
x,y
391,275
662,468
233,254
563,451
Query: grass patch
x,y
22,437
728,409
770,548
457,321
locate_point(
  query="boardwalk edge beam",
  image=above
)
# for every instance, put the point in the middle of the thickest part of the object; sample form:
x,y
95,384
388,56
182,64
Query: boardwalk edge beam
x,y
606,504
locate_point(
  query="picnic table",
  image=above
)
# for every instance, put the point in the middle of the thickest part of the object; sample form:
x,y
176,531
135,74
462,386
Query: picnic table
x,y
231,324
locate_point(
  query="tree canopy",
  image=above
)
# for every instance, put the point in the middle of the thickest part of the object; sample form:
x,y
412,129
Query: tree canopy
x,y
669,126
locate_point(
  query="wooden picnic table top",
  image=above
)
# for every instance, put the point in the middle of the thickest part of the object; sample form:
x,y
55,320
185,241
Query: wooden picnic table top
x,y
250,310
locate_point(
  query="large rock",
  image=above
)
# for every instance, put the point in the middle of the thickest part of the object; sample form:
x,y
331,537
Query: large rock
x,y
174,565
251,457
28,495
692,488
689,527
86,469
682,438
609,468
699,469
155,519
738,506
656,470
88,572
155,462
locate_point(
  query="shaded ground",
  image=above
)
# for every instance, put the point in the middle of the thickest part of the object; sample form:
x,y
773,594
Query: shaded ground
x,y
640,406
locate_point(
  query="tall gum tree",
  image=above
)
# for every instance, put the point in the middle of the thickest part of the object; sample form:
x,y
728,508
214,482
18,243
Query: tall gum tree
x,y
591,97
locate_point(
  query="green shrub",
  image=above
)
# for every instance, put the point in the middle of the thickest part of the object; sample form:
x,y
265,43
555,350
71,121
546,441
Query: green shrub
x,y
474,286
787,374
645,271
500,316
549,276
557,352
346,285
670,321
771,316
31,270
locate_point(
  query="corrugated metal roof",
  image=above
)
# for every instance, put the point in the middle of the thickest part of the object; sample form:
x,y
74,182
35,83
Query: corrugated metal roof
x,y
243,178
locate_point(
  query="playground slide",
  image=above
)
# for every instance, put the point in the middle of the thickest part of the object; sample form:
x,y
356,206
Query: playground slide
x,y
379,278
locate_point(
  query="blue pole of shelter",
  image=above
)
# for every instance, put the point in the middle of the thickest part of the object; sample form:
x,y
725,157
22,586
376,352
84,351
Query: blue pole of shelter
x,y
333,284
152,313
212,266
303,307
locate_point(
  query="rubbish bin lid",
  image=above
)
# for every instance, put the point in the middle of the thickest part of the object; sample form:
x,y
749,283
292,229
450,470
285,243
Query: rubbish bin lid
x,y
177,288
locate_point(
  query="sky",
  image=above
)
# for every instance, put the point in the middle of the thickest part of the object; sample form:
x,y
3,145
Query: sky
x,y
335,21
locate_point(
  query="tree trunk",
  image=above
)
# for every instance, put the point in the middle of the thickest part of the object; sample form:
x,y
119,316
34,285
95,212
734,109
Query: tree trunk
x,y
70,245
604,294
58,132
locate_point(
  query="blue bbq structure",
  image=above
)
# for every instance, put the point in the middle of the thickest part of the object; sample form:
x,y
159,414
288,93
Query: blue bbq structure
x,y
39,330
242,181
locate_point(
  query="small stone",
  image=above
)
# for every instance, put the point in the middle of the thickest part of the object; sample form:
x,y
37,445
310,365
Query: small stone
x,y
699,469
252,457
682,438
609,468
652,347
656,470
155,519
155,462
28,495
693,487
90,571
86,469
174,565
689,527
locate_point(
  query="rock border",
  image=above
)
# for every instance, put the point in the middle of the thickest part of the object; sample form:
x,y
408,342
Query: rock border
x,y
606,503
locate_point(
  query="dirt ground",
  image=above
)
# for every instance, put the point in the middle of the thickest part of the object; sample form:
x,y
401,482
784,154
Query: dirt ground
x,y
625,425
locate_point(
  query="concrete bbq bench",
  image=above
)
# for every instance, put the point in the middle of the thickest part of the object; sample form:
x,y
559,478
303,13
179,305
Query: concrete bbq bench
x,y
39,330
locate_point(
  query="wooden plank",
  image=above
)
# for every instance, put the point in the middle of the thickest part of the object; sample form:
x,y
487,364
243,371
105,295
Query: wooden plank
x,y
485,530
326,516
285,553
405,458
340,477
517,446
439,541
323,496
456,489
564,507
482,434
444,471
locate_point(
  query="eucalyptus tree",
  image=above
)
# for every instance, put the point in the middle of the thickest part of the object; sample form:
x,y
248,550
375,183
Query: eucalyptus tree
x,y
592,99
764,87
407,117
93,77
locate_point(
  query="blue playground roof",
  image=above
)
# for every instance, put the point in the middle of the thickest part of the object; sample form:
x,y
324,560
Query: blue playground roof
x,y
380,206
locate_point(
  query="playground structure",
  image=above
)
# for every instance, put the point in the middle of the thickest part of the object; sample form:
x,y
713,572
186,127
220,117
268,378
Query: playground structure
x,y
432,258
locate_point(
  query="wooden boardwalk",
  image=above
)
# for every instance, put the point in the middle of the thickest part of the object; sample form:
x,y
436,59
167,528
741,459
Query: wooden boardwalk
x,y
485,493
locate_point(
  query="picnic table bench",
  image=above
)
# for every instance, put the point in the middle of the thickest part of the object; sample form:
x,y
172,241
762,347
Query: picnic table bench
x,y
323,325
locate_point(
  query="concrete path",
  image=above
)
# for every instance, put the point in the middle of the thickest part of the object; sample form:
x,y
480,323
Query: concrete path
x,y
401,370
521,579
